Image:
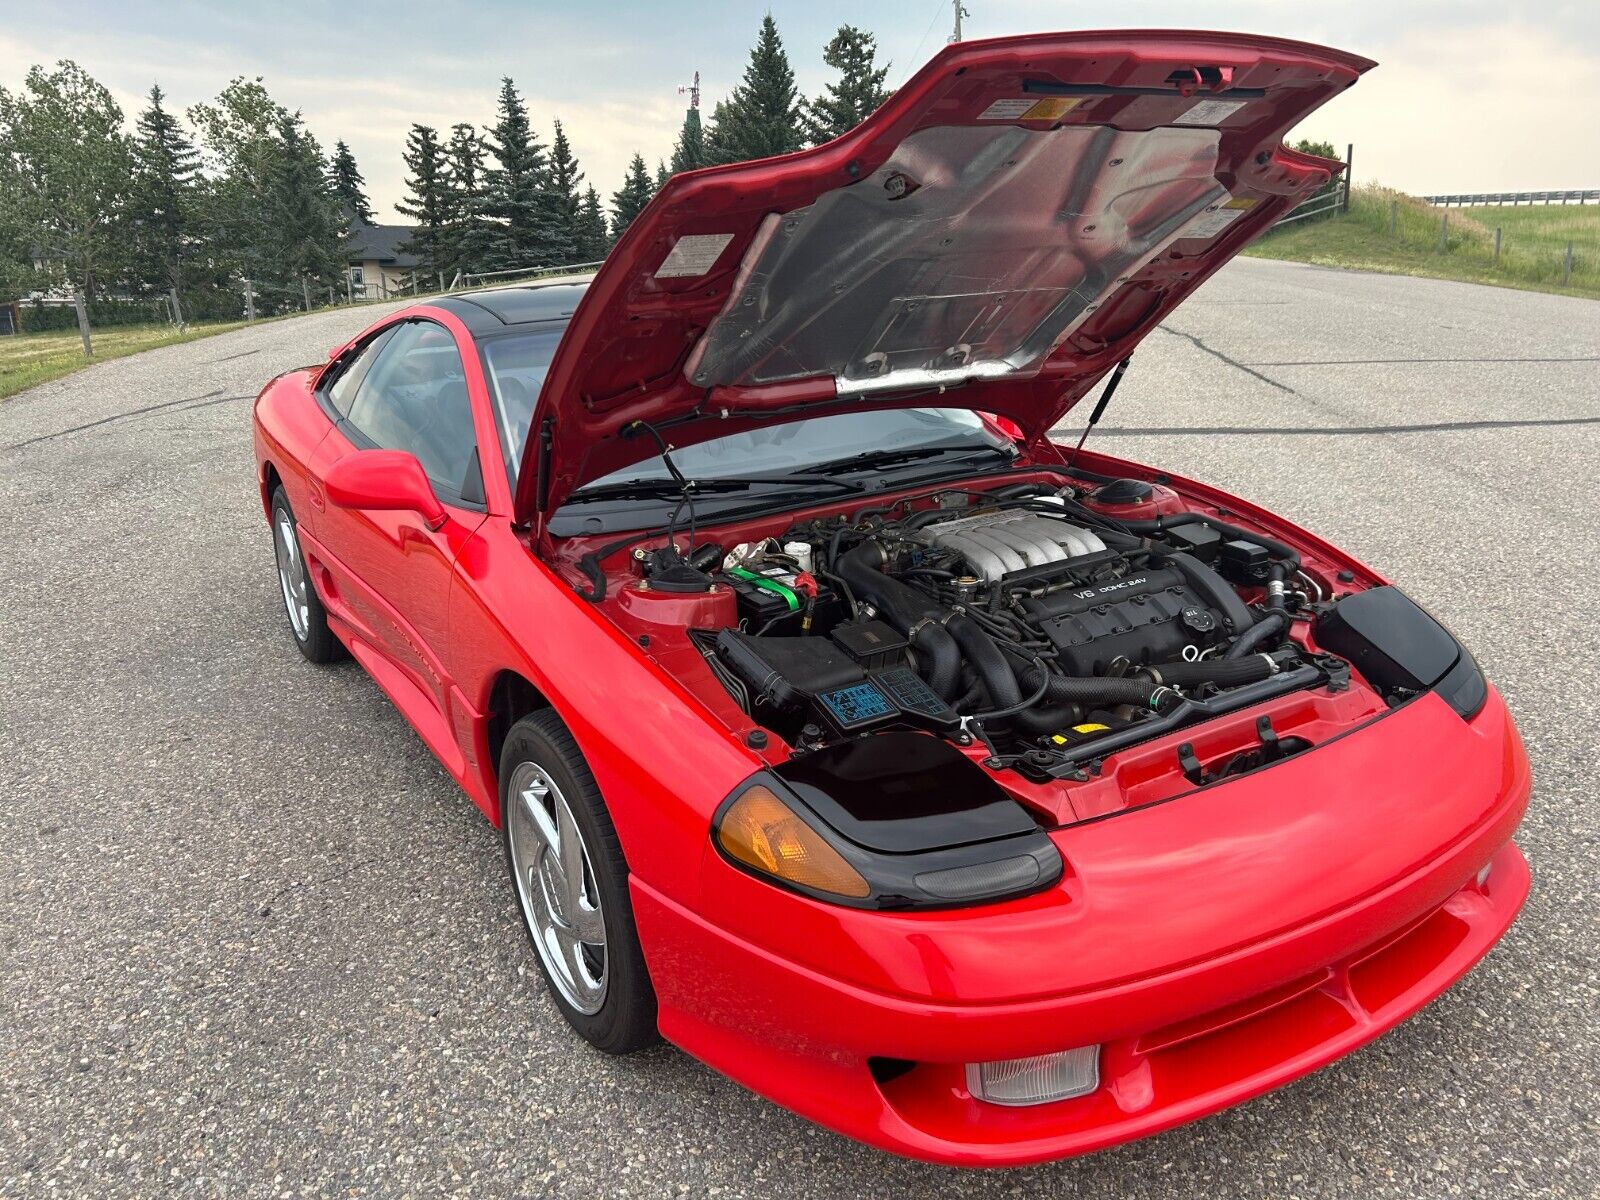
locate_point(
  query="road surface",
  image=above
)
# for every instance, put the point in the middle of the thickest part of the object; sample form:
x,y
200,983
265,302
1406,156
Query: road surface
x,y
255,943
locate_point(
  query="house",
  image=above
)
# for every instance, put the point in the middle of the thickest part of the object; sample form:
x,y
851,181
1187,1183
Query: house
x,y
377,266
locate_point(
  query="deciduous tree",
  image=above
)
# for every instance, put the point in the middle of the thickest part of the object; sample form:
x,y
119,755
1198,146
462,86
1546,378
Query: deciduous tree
x,y
71,165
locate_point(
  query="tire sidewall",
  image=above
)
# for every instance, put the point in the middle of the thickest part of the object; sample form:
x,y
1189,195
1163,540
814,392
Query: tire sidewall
x,y
626,1020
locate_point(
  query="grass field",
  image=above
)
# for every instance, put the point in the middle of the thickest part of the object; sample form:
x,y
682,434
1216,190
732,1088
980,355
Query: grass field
x,y
1533,242
34,358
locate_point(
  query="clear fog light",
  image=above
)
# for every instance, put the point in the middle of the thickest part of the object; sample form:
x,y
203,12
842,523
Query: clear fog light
x,y
1036,1080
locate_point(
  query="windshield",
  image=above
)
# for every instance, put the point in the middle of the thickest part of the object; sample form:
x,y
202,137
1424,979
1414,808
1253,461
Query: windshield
x,y
816,442
515,365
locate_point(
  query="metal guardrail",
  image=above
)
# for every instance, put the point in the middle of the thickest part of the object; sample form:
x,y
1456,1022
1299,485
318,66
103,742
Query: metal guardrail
x,y
1468,199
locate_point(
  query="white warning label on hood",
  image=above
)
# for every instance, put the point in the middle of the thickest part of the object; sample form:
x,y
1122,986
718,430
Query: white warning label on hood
x,y
1212,222
693,254
1209,112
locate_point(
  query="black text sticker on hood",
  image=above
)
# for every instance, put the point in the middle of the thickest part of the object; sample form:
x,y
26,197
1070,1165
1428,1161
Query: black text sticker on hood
x,y
693,254
1214,220
1209,112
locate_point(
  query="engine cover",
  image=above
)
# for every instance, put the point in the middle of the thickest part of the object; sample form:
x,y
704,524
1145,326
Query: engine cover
x,y
1146,617
994,544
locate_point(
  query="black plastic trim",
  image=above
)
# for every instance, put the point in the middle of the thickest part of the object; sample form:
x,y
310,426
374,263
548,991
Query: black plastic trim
x,y
893,877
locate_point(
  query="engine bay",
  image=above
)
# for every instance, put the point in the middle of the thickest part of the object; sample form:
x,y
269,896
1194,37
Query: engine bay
x,y
1040,626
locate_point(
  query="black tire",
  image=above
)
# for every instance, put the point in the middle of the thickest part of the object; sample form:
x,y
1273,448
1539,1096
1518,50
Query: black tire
x,y
316,641
626,1019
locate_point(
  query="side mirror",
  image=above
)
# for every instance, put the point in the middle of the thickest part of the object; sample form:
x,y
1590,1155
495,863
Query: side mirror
x,y
384,480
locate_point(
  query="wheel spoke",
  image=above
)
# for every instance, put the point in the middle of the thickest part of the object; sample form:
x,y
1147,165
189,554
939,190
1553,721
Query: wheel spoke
x,y
557,888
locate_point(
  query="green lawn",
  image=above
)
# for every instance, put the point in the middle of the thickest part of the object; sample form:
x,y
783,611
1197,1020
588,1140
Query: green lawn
x,y
33,358
1533,242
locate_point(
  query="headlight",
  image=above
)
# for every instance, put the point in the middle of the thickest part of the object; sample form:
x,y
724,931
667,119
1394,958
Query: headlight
x,y
1401,650
895,820
762,832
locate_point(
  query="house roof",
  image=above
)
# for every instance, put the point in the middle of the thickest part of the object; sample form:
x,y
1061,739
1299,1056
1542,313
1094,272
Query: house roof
x,y
379,243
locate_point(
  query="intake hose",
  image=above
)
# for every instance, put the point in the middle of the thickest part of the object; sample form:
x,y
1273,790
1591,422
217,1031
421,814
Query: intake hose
x,y
908,610
1223,672
985,658
942,657
1090,691
1272,625
1273,546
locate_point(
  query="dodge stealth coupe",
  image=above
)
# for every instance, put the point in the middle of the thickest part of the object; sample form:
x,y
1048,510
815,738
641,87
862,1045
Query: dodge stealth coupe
x,y
985,799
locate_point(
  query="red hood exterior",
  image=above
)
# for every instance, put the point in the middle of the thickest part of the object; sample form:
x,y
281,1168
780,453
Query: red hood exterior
x,y
997,236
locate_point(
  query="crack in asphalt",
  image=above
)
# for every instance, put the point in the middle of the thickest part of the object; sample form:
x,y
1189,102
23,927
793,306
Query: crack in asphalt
x,y
137,412
1278,431
231,357
1232,362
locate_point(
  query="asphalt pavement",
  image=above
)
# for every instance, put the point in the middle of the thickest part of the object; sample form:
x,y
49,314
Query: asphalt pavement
x,y
253,942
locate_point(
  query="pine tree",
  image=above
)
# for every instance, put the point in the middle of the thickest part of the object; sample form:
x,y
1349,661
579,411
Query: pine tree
x,y
594,238
163,200
762,117
306,218
859,89
635,193
562,191
348,182
427,198
515,192
662,174
689,154
467,235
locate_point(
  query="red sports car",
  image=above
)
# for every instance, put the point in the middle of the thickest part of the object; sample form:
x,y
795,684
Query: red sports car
x,y
980,799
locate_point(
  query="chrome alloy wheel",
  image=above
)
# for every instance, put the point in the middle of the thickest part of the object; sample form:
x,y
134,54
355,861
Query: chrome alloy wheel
x,y
556,886
291,574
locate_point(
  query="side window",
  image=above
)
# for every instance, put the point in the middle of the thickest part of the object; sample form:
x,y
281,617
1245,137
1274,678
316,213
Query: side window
x,y
414,398
347,381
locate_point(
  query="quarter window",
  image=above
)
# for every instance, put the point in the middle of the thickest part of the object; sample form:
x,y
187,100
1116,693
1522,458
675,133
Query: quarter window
x,y
347,381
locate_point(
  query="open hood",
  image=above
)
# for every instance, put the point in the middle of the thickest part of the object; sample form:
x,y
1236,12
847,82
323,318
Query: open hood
x,y
997,236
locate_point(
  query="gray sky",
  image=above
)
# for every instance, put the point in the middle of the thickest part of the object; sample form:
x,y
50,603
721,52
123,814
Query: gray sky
x,y
1468,95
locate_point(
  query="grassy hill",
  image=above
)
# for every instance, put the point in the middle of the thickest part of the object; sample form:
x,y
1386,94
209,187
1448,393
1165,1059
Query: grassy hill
x,y
1533,242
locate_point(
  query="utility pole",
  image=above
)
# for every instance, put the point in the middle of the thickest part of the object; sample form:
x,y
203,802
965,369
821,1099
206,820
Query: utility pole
x,y
961,11
177,312
249,302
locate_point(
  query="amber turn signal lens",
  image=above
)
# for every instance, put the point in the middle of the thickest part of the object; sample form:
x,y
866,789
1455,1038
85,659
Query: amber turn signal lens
x,y
764,833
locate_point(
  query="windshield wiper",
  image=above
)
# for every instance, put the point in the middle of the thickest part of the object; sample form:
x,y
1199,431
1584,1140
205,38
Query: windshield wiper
x,y
869,460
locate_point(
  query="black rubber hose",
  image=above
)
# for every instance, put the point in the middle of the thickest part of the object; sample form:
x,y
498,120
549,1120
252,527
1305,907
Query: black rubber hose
x,y
1273,546
986,659
1224,672
941,658
1273,625
1090,691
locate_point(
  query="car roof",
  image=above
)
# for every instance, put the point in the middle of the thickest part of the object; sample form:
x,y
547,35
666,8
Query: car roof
x,y
497,309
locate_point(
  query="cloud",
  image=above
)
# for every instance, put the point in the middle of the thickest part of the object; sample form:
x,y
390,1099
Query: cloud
x,y
1466,97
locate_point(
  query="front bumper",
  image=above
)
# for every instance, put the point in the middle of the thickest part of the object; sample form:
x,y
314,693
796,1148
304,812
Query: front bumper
x,y
1188,1036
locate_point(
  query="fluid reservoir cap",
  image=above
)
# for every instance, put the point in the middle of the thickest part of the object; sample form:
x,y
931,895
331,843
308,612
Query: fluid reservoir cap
x,y
1124,491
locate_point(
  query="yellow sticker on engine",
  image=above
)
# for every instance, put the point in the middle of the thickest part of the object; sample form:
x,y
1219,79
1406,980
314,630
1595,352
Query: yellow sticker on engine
x,y
1090,728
